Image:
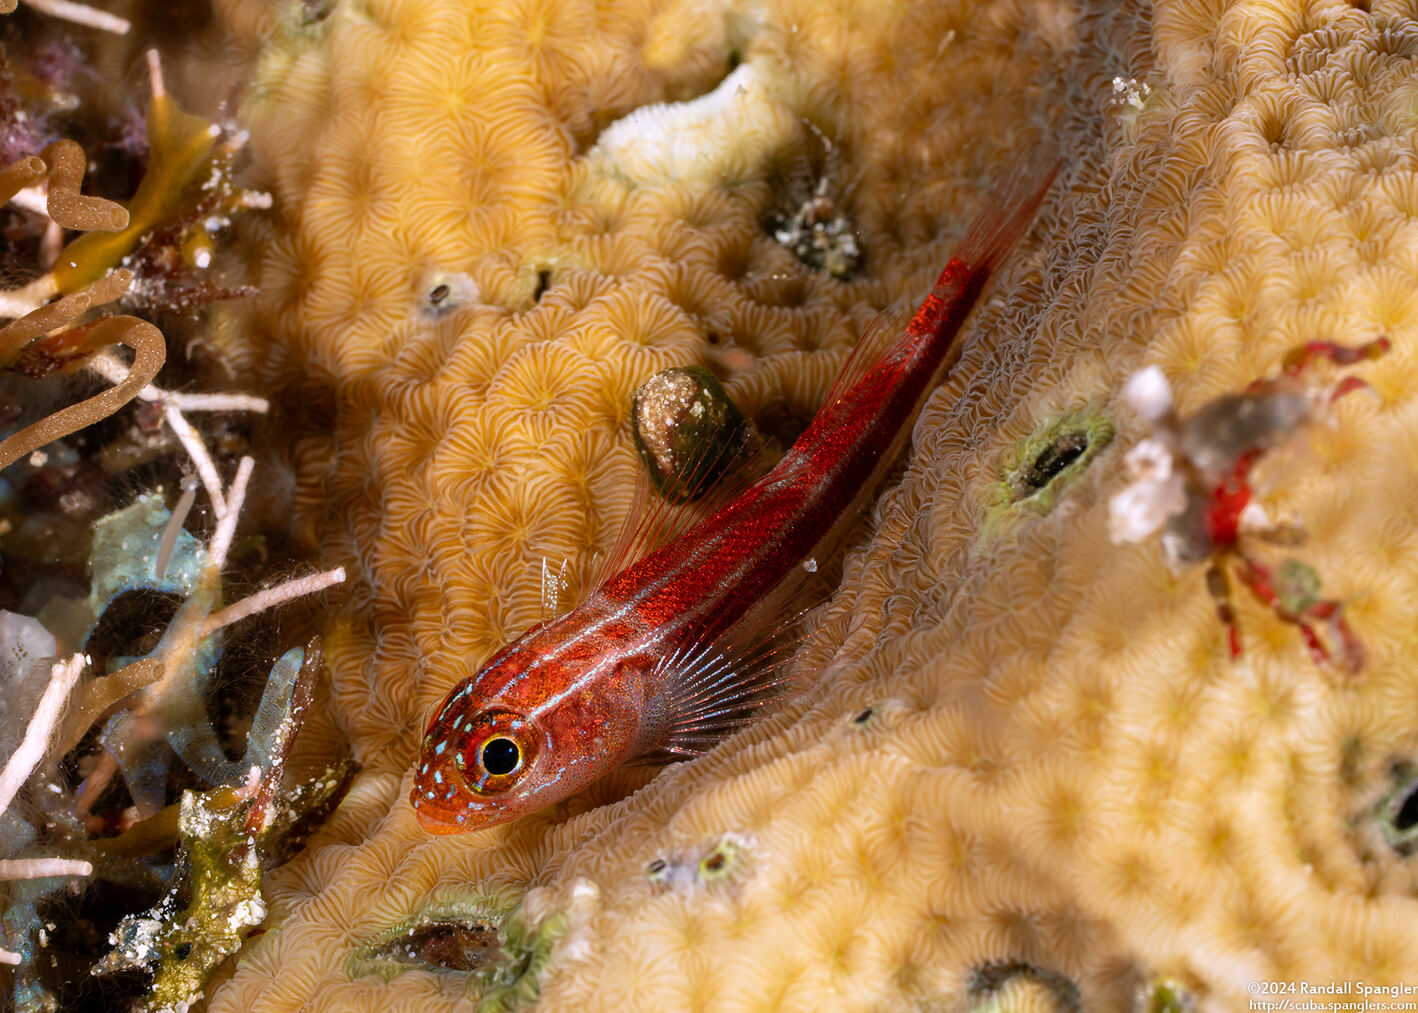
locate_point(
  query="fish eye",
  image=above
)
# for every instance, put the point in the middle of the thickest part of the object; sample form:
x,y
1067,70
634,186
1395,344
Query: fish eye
x,y
501,756
495,751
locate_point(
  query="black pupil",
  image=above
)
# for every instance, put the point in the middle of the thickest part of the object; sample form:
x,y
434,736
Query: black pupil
x,y
500,756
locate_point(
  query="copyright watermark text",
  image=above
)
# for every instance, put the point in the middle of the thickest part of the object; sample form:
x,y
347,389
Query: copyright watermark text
x,y
1331,995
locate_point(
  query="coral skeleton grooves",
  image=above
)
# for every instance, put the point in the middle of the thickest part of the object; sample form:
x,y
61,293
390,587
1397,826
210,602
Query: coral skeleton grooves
x,y
1065,791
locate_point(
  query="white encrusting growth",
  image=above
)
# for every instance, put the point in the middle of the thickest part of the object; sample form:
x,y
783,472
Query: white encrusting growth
x,y
272,596
37,868
724,134
107,366
51,704
82,14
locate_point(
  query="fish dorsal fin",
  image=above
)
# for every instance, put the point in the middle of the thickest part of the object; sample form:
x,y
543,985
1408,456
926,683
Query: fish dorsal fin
x,y
883,331
555,599
698,488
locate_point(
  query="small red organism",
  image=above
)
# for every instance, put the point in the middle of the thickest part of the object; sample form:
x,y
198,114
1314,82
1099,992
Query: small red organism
x,y
1192,479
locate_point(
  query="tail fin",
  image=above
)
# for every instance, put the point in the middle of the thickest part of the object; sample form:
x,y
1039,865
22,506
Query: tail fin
x,y
1008,211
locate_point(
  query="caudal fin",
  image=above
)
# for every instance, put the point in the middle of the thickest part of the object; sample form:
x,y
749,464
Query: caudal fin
x,y
1009,210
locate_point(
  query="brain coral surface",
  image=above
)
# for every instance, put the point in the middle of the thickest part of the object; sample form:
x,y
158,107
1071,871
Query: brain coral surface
x,y
1061,787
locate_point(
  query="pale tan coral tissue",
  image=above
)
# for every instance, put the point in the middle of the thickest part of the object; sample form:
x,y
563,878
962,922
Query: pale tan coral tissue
x,y
1063,789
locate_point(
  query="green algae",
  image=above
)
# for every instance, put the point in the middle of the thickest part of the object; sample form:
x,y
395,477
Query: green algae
x,y
1036,472
481,933
226,836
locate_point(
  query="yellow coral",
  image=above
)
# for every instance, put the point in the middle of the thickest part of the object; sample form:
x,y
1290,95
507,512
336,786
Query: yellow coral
x,y
1030,746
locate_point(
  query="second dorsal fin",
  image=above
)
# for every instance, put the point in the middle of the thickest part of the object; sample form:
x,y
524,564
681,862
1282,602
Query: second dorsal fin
x,y
692,485
883,331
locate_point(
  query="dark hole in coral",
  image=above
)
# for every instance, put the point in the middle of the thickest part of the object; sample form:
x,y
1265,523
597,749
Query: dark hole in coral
x,y
778,288
1405,814
713,337
438,295
132,625
458,946
314,11
780,426
864,716
1050,462
715,862
734,262
1397,813
656,867
543,283
1275,133
990,977
182,951
735,58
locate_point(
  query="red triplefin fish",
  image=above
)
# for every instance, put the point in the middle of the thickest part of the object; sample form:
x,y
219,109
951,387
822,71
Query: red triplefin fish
x,y
640,665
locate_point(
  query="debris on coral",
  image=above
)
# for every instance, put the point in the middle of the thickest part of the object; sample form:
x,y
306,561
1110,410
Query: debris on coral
x,y
483,935
687,431
814,226
139,678
1131,92
1192,479
821,236
215,899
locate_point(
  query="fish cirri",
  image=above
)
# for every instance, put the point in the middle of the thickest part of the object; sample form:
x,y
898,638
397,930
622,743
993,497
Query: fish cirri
x,y
638,666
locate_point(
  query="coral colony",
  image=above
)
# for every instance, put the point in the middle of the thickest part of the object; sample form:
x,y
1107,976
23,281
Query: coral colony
x,y
1112,706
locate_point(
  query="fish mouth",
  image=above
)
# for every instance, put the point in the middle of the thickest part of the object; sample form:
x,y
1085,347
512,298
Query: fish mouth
x,y
433,822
